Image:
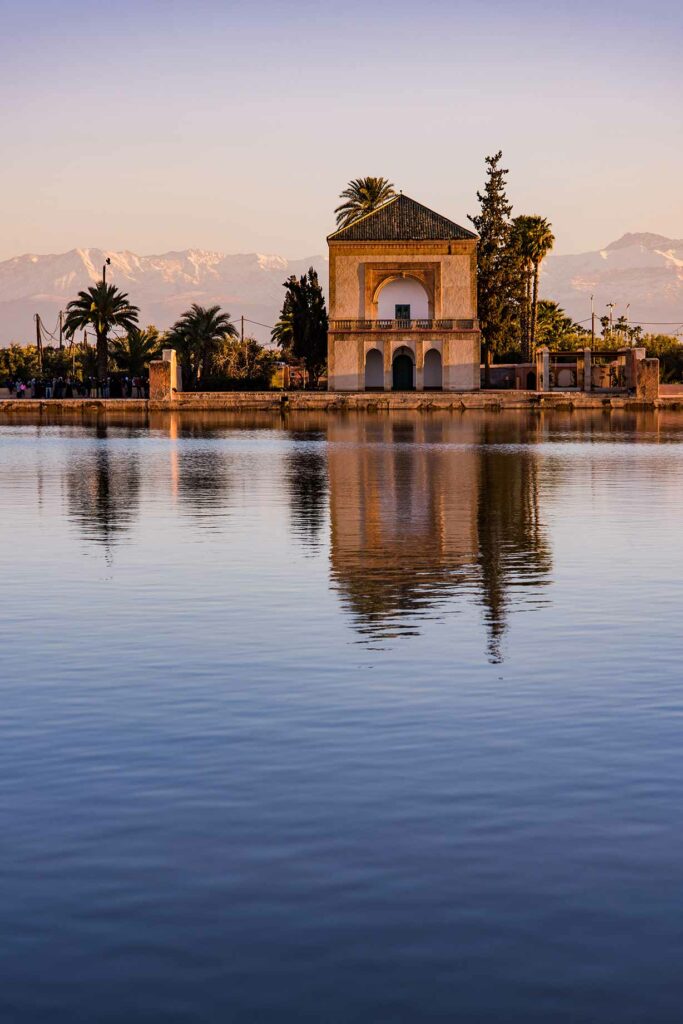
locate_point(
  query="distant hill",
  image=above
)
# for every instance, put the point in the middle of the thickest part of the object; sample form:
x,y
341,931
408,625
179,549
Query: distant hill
x,y
645,270
162,286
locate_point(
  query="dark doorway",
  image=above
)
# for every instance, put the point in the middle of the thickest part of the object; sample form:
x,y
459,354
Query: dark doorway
x,y
531,381
403,373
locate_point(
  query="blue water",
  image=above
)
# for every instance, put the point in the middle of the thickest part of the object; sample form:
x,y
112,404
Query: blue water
x,y
355,719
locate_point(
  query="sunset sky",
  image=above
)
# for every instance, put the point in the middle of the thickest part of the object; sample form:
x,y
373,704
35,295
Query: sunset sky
x,y
161,124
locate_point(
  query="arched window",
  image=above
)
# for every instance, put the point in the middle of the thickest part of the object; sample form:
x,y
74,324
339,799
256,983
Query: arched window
x,y
433,372
374,370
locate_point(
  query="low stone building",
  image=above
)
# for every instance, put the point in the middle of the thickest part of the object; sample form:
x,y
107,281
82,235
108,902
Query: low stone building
x,y
403,302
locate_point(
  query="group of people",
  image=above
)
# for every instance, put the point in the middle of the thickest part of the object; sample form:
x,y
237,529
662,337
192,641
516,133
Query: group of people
x,y
116,386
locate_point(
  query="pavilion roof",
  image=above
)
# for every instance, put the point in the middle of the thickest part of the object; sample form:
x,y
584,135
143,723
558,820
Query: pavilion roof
x,y
401,219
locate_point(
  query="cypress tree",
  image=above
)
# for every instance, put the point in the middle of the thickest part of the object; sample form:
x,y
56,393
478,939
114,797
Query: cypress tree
x,y
301,331
498,280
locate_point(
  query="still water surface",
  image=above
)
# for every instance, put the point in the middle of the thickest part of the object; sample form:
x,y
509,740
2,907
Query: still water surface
x,y
357,719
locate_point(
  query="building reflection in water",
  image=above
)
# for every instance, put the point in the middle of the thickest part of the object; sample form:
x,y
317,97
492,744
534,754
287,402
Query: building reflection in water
x,y
103,488
424,508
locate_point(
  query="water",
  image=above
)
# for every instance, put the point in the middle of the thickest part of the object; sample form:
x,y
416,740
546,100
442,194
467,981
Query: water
x,y
370,718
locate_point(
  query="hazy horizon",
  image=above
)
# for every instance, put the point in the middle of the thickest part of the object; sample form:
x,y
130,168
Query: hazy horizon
x,y
290,257
157,127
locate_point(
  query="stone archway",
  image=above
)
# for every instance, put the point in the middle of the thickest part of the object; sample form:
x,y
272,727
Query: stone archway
x,y
433,370
377,275
402,297
374,370
403,370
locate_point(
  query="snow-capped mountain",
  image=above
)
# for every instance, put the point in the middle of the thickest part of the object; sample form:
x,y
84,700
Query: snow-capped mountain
x,y
163,286
644,270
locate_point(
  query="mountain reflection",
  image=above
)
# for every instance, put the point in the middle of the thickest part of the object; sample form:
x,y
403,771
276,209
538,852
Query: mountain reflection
x,y
421,510
103,489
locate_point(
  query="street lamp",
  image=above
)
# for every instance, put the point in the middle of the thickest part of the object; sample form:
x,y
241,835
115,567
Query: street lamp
x,y
107,263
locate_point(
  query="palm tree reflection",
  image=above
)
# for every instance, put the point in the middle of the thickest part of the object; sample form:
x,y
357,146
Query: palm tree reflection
x,y
103,488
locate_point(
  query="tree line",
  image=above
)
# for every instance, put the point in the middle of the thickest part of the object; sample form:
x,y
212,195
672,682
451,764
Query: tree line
x,y
514,320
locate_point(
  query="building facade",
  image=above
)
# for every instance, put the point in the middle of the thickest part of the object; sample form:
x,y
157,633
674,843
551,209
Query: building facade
x,y
403,302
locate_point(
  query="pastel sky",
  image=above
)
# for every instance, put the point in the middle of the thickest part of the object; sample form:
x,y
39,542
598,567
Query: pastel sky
x,y
153,125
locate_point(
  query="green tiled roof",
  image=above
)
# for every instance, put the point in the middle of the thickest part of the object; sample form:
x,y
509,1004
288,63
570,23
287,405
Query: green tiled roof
x,y
401,220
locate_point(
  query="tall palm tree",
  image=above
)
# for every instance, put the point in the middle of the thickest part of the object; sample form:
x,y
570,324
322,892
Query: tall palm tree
x,y
363,195
133,353
544,240
198,337
533,238
102,306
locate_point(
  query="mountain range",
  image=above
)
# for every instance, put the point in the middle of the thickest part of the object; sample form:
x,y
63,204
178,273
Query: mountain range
x,y
248,285
643,270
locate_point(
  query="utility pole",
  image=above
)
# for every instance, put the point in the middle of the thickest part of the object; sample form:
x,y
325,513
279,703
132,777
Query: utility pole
x,y
242,330
592,324
61,329
39,342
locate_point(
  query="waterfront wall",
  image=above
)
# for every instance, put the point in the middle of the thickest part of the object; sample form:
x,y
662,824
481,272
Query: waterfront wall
x,y
322,401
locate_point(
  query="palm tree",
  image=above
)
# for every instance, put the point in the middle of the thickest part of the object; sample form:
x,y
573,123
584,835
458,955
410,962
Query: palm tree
x,y
282,334
533,239
102,306
363,195
133,353
520,244
544,240
198,337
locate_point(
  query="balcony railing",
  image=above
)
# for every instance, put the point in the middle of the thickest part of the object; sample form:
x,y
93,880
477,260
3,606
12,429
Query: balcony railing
x,y
403,325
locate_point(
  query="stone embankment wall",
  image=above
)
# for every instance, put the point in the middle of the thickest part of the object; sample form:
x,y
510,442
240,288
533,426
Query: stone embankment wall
x,y
322,401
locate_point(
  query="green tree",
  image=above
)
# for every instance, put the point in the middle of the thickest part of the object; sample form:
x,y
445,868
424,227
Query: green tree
x,y
531,239
520,242
57,362
362,195
498,277
85,359
556,329
246,362
301,331
133,353
669,350
19,362
103,307
282,334
621,332
199,338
